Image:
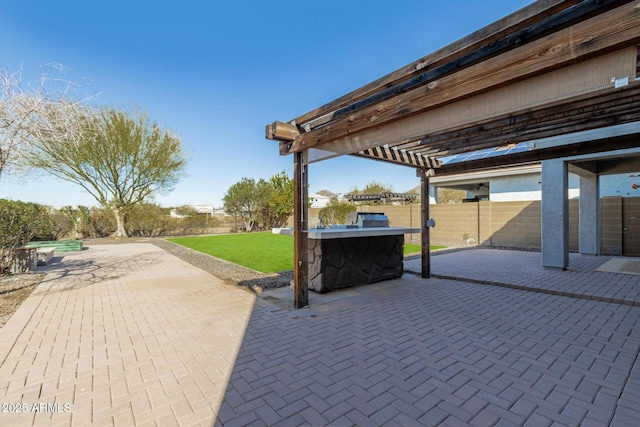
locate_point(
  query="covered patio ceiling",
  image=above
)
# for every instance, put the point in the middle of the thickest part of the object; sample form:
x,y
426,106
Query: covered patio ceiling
x,y
456,100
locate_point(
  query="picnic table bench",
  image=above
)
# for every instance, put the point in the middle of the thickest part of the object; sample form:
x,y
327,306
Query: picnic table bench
x,y
44,255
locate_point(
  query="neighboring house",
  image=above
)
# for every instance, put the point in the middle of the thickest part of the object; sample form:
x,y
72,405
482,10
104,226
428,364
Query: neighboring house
x,y
524,183
199,207
320,199
220,212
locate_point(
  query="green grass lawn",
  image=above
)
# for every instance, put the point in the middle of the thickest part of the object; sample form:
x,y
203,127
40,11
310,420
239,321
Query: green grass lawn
x,y
265,252
410,248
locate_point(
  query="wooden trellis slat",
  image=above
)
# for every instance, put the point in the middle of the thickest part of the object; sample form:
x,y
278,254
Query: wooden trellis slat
x,y
398,156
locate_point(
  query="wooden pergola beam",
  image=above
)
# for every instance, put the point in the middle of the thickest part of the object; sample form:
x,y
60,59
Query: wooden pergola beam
x,y
426,231
611,30
584,112
606,108
523,18
281,131
520,38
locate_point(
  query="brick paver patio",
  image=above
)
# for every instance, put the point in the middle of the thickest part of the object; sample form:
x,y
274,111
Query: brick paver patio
x,y
130,335
522,270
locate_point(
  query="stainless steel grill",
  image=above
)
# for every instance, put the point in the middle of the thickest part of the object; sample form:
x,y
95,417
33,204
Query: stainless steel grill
x,y
367,220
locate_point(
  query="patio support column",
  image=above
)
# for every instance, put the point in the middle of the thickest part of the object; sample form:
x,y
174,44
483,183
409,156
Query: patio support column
x,y
555,214
424,216
589,215
300,244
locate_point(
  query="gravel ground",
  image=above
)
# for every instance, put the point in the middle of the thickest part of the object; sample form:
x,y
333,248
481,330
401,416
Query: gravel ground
x,y
13,291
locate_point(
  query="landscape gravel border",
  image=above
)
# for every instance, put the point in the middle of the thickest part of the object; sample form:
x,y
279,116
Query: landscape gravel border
x,y
226,270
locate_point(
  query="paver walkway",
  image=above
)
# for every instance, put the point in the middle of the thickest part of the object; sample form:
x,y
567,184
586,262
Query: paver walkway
x,y
129,335
121,335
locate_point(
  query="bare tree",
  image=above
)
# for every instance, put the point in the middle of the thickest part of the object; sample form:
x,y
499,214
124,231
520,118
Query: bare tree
x,y
118,158
48,110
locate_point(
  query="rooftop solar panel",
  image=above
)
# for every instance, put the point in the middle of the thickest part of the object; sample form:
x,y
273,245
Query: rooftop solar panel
x,y
490,152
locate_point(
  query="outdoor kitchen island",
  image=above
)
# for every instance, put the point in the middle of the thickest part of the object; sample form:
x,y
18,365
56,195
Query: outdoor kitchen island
x,y
364,250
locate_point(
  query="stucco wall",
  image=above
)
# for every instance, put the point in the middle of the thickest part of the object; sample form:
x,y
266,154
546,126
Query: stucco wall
x,y
526,187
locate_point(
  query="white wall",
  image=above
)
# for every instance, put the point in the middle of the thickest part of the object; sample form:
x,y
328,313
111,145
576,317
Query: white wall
x,y
483,193
620,185
318,201
528,187
525,187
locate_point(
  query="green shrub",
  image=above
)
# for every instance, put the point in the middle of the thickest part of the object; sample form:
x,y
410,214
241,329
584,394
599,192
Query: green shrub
x,y
21,222
336,212
62,226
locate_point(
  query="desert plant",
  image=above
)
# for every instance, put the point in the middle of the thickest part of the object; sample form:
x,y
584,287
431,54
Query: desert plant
x,y
119,158
79,218
147,219
100,223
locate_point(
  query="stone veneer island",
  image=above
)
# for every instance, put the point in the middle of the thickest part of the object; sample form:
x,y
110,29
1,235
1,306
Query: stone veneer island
x,y
341,256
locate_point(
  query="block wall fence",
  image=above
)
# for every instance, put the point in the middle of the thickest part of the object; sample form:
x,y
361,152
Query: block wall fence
x,y
513,224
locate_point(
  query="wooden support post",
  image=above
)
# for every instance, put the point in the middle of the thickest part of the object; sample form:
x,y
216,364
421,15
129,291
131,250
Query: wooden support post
x,y
300,247
424,211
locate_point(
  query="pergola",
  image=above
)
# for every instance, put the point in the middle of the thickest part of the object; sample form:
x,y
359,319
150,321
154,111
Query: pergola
x,y
560,75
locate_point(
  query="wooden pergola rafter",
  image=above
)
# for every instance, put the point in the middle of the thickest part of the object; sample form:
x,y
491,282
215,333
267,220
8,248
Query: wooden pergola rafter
x,y
576,60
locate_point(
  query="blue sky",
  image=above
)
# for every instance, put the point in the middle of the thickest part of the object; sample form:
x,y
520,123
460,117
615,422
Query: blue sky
x,y
217,72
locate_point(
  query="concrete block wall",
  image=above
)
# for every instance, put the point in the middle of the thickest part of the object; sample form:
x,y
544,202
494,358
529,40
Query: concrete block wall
x,y
504,224
516,224
513,224
456,224
485,233
611,225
